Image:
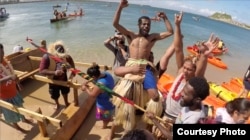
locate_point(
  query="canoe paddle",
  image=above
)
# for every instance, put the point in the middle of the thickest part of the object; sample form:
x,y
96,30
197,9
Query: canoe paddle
x,y
112,93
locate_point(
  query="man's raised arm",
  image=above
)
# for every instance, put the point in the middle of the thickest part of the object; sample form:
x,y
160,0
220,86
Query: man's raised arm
x,y
178,43
168,25
116,24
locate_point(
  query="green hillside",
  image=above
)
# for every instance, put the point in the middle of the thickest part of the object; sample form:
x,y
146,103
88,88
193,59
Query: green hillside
x,y
228,18
223,16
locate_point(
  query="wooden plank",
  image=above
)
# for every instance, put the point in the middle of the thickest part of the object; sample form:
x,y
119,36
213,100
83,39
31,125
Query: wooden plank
x,y
41,125
90,64
75,121
105,67
76,63
28,74
31,114
35,58
57,82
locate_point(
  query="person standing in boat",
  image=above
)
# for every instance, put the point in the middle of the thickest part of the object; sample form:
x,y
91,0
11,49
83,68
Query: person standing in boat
x,y
9,93
104,107
246,84
17,48
43,44
56,70
140,45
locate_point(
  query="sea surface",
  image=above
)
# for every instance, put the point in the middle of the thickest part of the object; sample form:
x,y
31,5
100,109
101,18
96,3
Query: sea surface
x,y
84,36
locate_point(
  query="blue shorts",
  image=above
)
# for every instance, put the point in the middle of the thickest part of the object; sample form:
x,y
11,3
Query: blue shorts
x,y
246,84
149,81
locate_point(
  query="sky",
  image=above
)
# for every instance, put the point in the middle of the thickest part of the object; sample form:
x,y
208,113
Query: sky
x,y
238,9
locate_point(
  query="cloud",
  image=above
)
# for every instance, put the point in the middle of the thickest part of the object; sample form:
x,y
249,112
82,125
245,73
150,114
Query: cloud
x,y
206,11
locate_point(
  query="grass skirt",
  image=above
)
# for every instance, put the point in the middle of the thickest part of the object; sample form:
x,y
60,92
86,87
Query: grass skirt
x,y
131,87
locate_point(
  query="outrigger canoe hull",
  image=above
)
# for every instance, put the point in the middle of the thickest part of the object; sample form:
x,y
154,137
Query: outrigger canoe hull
x,y
26,64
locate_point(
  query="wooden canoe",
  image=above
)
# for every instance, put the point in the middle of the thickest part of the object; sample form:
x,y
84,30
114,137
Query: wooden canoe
x,y
61,19
49,126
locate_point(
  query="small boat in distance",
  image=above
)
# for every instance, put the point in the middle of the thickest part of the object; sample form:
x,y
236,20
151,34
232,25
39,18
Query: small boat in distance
x,y
57,6
3,14
60,19
196,18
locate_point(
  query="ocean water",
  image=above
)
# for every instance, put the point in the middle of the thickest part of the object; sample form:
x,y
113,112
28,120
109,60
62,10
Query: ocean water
x,y
84,36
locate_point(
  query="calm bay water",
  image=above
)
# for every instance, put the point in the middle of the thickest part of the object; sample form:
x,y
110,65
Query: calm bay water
x,y
84,36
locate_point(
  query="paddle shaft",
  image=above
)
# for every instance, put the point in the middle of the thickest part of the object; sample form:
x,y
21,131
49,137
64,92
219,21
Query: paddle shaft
x,y
106,89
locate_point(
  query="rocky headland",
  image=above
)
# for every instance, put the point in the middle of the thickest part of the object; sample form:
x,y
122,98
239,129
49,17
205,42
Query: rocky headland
x,y
228,19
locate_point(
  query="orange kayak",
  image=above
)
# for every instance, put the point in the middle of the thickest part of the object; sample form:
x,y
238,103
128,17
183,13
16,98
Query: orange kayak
x,y
212,60
231,86
213,102
164,83
219,52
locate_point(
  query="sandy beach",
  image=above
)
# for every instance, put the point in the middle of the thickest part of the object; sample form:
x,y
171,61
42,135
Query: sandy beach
x,y
36,96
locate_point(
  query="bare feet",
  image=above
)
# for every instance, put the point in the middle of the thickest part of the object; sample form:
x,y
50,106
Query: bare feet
x,y
105,124
57,107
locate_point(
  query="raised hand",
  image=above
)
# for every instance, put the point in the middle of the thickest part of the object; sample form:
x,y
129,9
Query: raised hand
x,y
162,15
124,3
178,18
210,45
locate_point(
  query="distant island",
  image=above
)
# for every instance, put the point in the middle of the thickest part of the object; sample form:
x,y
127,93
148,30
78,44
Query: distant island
x,y
228,18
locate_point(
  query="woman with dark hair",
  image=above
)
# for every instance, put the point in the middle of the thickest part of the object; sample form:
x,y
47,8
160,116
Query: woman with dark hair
x,y
104,107
236,111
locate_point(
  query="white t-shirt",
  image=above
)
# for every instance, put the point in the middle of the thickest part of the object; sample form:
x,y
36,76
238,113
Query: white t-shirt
x,y
222,116
186,116
173,107
17,48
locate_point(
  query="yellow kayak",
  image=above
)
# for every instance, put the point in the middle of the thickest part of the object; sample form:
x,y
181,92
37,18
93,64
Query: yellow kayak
x,y
222,92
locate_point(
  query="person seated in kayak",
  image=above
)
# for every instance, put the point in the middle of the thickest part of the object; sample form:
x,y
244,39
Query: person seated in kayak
x,y
221,45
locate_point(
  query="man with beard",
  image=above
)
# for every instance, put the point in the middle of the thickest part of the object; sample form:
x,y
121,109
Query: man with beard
x,y
132,86
57,71
194,92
